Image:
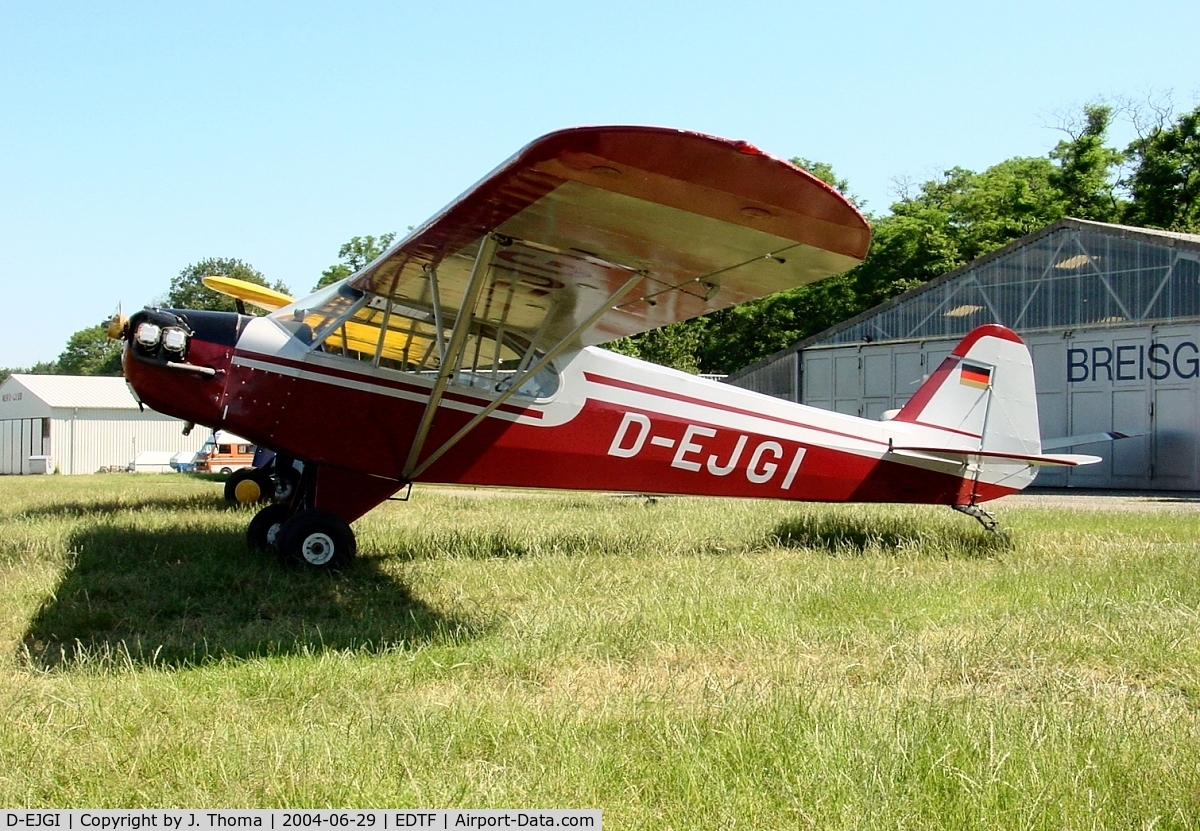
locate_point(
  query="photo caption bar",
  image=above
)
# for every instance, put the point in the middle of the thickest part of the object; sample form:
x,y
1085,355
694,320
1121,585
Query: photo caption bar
x,y
114,819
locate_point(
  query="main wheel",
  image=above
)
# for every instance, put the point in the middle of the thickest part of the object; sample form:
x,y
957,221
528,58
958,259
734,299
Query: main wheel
x,y
249,485
317,539
263,532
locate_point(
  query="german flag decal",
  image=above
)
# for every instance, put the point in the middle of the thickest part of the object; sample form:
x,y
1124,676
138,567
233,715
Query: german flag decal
x,y
976,376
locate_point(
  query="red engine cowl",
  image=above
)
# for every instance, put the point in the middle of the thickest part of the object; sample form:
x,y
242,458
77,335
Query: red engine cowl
x,y
178,361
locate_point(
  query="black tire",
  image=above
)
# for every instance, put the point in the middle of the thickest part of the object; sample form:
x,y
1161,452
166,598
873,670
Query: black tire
x,y
285,481
264,530
259,487
316,539
225,471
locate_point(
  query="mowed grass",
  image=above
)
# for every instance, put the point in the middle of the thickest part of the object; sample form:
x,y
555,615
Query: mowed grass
x,y
680,663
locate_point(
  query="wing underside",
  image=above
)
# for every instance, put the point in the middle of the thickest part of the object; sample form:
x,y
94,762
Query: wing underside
x,y
697,223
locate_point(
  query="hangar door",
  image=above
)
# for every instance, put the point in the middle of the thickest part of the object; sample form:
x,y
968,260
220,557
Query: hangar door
x,y
21,438
1140,380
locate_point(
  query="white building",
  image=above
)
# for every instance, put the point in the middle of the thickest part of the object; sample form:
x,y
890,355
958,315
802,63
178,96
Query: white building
x,y
1111,315
80,425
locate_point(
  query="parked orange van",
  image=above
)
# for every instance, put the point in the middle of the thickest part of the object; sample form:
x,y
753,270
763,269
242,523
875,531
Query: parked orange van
x,y
224,453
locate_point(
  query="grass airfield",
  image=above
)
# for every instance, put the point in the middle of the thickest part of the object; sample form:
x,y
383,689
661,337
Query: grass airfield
x,y
681,663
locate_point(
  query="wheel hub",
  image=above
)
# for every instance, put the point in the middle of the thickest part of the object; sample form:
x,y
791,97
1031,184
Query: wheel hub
x,y
317,549
247,491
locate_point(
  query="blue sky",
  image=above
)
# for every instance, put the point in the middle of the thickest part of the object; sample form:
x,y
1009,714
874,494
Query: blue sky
x,y
138,138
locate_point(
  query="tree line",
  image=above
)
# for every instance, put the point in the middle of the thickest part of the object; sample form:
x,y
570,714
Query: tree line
x,y
933,227
90,351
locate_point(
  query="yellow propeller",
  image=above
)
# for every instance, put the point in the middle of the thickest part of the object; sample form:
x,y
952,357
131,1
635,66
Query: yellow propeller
x,y
116,325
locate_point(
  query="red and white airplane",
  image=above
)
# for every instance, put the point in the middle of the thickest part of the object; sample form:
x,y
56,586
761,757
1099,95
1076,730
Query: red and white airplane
x,y
466,354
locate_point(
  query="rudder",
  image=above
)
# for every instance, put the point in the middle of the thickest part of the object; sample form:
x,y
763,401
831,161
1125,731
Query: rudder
x,y
983,390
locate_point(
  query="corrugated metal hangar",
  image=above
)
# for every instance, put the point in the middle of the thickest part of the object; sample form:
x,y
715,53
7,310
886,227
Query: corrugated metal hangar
x,y
1111,315
80,425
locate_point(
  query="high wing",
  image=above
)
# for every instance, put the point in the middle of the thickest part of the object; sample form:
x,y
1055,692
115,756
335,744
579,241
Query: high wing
x,y
594,233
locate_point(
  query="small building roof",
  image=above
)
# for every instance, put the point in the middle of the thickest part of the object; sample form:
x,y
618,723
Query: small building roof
x,y
78,391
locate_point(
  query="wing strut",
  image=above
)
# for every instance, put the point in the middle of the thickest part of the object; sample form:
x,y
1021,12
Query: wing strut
x,y
438,324
515,383
458,341
383,327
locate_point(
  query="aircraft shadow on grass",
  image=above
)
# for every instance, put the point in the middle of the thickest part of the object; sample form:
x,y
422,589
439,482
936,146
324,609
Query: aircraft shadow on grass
x,y
182,598
113,506
855,535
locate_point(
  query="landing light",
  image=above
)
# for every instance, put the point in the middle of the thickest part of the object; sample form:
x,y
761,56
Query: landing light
x,y
174,339
148,334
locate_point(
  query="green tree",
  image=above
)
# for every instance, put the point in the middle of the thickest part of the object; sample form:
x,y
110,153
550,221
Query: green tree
x,y
1085,175
742,334
188,292
1007,201
947,222
353,256
1164,184
90,352
674,345
824,171
954,219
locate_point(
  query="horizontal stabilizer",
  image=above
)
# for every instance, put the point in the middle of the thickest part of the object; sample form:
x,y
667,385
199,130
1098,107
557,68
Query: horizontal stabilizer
x,y
966,456
1089,438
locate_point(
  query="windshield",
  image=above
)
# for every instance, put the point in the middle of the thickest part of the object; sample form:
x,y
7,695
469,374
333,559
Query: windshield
x,y
343,321
309,317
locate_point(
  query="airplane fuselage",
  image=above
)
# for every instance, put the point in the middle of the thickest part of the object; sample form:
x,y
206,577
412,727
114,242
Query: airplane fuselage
x,y
613,423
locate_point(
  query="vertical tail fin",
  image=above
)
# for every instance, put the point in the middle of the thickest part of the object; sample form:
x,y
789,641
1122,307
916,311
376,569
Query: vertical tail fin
x,y
983,390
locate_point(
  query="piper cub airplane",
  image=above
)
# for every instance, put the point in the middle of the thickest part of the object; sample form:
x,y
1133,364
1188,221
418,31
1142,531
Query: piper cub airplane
x,y
466,354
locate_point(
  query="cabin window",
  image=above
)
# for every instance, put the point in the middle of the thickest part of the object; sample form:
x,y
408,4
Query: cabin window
x,y
309,319
405,338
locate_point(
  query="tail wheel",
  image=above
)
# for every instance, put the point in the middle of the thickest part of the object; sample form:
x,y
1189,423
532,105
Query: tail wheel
x,y
317,539
263,531
247,486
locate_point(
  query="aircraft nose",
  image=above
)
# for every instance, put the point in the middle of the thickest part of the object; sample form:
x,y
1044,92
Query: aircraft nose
x,y
177,360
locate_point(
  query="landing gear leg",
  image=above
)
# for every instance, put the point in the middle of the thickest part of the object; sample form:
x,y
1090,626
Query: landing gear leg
x,y
285,482
302,535
985,518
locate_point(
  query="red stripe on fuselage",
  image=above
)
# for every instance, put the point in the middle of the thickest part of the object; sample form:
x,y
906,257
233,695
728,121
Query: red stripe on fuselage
x,y
700,402
945,429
